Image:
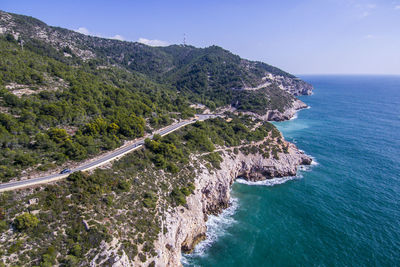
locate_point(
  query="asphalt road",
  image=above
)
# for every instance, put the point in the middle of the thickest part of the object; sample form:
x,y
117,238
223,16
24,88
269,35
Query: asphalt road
x,y
101,161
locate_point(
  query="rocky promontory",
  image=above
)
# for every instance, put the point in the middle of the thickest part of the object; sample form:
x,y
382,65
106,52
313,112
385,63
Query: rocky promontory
x,y
276,115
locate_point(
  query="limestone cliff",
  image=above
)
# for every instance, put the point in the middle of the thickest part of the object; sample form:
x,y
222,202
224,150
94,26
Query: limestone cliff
x,y
187,225
276,115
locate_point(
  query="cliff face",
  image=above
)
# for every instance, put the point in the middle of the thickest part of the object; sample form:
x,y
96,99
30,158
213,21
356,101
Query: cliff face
x,y
292,85
187,226
295,86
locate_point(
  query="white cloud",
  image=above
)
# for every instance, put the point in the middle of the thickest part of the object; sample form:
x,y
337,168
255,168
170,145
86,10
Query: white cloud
x,y
83,30
152,42
369,36
118,37
365,14
397,7
365,9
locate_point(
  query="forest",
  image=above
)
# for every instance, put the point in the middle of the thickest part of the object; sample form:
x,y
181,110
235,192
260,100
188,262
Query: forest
x,y
56,107
72,111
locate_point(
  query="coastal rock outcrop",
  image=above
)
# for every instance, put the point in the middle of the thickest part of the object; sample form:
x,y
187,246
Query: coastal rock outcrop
x,y
276,115
186,226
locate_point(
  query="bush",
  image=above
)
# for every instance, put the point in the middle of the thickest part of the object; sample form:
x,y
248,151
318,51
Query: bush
x,y
26,221
178,197
3,226
215,159
76,250
15,247
150,200
172,168
71,261
49,258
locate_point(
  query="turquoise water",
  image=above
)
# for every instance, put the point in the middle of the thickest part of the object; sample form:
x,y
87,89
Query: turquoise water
x,y
344,211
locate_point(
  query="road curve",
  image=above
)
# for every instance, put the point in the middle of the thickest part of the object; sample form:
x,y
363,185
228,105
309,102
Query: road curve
x,y
102,160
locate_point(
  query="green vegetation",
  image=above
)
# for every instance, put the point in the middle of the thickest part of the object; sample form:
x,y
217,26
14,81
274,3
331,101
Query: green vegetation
x,y
178,195
211,76
93,110
214,158
76,96
49,258
56,107
126,201
260,101
26,221
150,200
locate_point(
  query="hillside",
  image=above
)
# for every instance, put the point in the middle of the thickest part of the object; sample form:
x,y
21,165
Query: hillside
x,y
197,70
66,97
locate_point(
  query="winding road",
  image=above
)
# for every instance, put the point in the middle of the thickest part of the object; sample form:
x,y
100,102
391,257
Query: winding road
x,y
102,160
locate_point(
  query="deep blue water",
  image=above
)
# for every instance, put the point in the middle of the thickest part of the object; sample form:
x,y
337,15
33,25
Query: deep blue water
x,y
345,211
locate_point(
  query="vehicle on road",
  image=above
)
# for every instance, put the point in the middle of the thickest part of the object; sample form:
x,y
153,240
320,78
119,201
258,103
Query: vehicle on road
x,y
65,171
87,166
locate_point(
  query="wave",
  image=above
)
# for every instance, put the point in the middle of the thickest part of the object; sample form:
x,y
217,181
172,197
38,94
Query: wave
x,y
270,182
314,161
281,180
217,226
295,116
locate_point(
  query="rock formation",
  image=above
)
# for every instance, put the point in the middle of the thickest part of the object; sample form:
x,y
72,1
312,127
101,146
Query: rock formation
x,y
187,225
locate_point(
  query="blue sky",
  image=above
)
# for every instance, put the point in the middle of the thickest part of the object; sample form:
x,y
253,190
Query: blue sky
x,y
301,37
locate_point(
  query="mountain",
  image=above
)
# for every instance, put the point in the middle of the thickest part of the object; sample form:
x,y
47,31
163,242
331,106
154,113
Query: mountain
x,y
197,70
68,96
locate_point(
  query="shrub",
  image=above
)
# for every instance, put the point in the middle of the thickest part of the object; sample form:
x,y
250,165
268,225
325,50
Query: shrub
x,y
26,221
178,195
71,260
215,159
15,247
172,168
150,199
3,226
49,258
76,250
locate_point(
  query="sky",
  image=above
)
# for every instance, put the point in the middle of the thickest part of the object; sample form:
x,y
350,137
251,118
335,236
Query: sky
x,y
301,37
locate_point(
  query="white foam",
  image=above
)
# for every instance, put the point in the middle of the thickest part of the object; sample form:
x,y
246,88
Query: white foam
x,y
216,227
295,116
269,182
281,180
314,162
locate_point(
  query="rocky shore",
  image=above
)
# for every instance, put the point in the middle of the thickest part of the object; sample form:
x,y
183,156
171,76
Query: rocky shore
x,y
187,225
276,115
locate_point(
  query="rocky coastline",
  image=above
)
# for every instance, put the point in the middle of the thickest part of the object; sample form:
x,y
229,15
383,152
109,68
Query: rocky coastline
x,y
276,115
186,226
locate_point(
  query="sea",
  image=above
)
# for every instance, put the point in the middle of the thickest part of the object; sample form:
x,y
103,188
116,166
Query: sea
x,y
344,210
